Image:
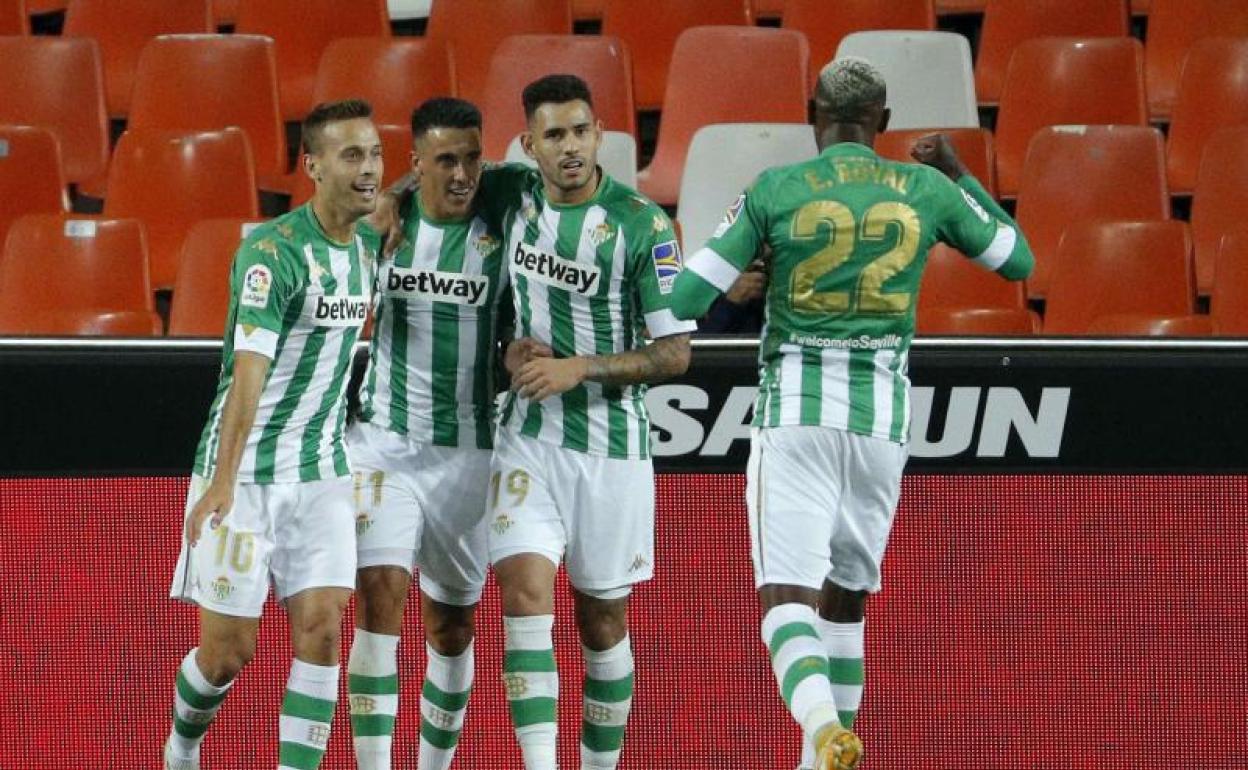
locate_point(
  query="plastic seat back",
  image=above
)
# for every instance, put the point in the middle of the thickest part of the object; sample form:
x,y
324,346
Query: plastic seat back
x,y
929,76
974,146
13,18
393,74
170,181
826,24
31,179
1220,203
1213,94
201,293
977,322
1228,302
952,280
1173,27
602,62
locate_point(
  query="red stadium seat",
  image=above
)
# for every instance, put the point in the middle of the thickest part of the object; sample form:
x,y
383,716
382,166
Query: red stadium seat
x,y
209,82
170,181
1228,303
1221,198
1213,94
45,6
393,74
300,30
1086,174
13,18
766,9
650,29
1145,325
824,23
82,323
977,322
201,293
590,10
1066,81
951,280
603,62
396,153
974,146
31,179
1009,23
1173,27
98,264
123,27
1115,268
225,11
58,84
960,6
475,28
711,68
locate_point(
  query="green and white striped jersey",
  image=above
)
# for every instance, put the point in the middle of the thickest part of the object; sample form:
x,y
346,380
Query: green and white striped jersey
x,y
849,234
590,279
431,361
300,299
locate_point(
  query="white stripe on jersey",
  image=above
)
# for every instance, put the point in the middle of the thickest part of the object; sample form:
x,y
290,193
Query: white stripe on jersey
x,y
882,391
540,324
713,268
340,265
426,249
834,384
790,384
583,329
470,330
280,375
999,251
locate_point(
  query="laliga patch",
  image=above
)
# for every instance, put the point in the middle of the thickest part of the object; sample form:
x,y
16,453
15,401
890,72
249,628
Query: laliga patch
x,y
974,204
667,264
730,216
256,285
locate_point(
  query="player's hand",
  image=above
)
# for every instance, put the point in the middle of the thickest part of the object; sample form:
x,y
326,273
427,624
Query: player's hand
x,y
214,506
522,351
542,378
937,151
750,285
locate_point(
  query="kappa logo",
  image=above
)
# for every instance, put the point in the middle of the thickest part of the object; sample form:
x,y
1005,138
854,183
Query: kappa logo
x,y
437,286
336,311
256,285
639,563
555,271
667,264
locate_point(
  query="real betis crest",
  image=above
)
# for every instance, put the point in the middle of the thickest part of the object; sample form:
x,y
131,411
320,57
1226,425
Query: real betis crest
x,y
601,234
485,244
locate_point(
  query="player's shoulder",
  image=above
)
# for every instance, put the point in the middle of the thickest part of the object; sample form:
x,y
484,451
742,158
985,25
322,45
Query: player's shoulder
x,y
503,178
630,208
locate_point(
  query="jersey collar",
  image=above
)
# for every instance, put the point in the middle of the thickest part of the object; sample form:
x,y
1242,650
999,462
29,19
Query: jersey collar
x,y
842,149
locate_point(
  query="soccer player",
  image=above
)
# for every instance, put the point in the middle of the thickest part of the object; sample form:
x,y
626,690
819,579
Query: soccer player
x,y
271,480
592,267
849,234
421,447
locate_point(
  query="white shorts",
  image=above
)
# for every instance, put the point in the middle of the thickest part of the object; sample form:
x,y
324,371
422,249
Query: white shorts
x,y
595,512
821,505
423,506
300,535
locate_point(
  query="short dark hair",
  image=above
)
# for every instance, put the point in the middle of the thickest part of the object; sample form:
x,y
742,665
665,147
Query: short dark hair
x,y
331,112
444,112
554,89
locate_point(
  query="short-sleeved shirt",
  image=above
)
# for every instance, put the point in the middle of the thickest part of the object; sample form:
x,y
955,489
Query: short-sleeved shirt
x,y
590,279
431,361
300,299
849,234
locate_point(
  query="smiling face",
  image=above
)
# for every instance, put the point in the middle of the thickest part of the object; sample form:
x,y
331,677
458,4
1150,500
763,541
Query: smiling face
x,y
563,138
346,167
448,161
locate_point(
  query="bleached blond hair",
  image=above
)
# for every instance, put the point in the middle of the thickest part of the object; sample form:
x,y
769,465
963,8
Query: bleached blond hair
x,y
848,87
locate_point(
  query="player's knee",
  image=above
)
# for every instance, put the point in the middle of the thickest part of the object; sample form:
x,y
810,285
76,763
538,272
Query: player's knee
x,y
603,623
381,595
220,663
449,633
841,605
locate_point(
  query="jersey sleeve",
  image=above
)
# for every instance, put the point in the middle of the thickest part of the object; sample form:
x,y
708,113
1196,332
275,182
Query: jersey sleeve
x,y
712,269
657,262
502,188
975,225
263,285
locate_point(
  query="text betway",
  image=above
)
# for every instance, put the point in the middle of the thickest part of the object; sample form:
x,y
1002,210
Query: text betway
x,y
322,310
437,286
555,271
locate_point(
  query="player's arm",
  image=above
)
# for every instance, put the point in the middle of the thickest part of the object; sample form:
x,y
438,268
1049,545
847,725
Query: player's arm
x,y
725,265
977,225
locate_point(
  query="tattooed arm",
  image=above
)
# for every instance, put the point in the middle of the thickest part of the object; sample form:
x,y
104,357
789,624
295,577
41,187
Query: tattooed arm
x,y
662,359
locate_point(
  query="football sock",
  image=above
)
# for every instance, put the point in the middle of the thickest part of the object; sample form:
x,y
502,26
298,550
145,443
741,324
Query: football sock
x,y
608,696
443,701
844,643
800,664
195,704
373,695
532,684
307,712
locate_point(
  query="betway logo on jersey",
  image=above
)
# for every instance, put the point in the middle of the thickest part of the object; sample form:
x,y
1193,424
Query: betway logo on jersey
x,y
437,286
322,310
555,271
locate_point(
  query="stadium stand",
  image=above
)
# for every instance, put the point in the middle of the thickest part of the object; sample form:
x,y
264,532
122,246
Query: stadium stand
x,y
959,297
300,30
393,74
31,179
475,28
1174,26
1101,172
583,10
201,292
977,322
1220,201
602,62
826,24
617,155
1213,93
170,181
767,9
401,10
960,6
13,18
45,6
58,84
1145,325
711,68
1112,268
1066,81
650,29
1009,23
1228,303
929,74
726,158
225,11
122,27
974,146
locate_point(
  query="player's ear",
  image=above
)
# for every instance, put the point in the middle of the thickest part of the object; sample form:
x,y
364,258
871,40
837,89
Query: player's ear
x,y
885,114
311,166
415,161
526,144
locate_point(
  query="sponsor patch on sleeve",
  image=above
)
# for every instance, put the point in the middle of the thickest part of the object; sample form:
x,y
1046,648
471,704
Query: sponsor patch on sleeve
x,y
730,216
667,264
974,204
256,285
